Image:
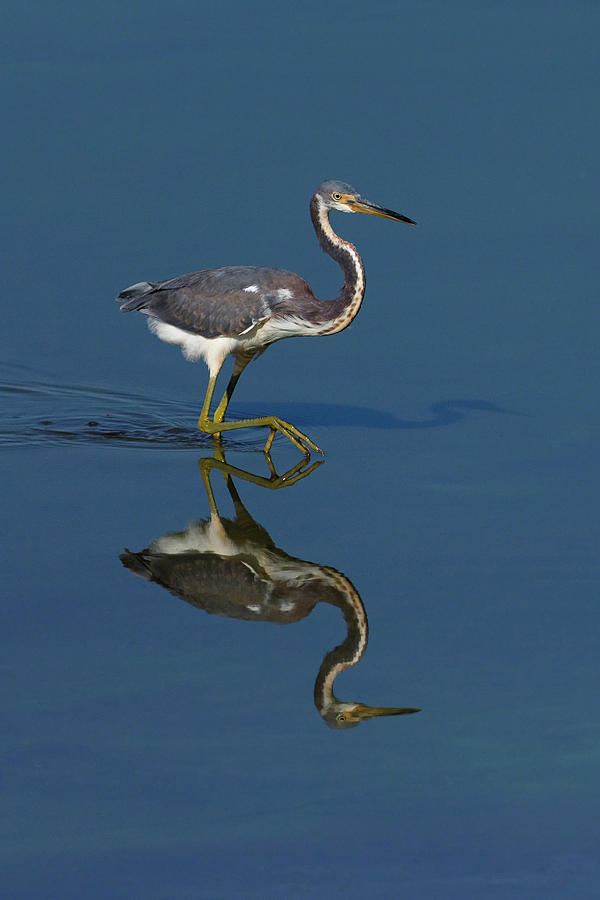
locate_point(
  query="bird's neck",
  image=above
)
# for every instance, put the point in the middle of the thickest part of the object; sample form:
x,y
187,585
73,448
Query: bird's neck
x,y
342,310
348,653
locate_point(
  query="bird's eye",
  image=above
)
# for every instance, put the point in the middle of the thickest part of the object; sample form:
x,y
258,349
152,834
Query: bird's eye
x,y
336,196
341,717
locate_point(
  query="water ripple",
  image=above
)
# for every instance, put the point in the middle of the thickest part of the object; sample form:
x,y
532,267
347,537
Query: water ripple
x,y
37,410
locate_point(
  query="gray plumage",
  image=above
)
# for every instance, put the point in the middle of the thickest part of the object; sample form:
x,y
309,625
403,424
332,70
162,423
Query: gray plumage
x,y
215,302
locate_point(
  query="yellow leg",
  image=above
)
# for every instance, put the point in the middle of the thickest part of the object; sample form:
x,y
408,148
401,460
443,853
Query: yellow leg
x,y
205,424
301,441
205,414
240,364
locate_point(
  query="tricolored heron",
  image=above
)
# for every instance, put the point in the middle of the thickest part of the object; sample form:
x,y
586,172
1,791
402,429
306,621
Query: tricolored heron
x,y
243,309
232,568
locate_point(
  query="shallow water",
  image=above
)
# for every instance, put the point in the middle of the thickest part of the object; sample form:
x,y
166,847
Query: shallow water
x,y
169,631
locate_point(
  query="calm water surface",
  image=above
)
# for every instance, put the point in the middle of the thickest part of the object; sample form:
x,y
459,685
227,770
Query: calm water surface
x,y
170,726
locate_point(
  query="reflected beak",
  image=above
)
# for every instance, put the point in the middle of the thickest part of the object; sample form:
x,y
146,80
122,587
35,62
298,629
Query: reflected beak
x,y
357,204
371,712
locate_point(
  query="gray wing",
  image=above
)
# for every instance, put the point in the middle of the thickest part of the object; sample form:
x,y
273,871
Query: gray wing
x,y
216,302
231,586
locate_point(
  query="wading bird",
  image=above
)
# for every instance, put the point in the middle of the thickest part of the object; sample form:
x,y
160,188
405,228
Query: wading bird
x,y
243,309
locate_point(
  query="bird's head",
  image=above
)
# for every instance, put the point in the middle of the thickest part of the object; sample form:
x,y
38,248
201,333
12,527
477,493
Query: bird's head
x,y
341,196
347,715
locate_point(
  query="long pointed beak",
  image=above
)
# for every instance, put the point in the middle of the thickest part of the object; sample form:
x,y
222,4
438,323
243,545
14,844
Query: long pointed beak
x,y
371,712
365,206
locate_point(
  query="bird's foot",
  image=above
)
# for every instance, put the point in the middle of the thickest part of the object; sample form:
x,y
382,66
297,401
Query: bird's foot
x,y
304,443
300,440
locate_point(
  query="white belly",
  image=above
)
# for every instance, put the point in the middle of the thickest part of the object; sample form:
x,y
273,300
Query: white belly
x,y
214,350
193,346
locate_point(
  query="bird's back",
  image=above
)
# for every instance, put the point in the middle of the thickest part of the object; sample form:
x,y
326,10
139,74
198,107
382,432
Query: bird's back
x,y
223,302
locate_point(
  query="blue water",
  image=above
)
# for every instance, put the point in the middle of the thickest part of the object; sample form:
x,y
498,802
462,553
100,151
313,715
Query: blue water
x,y
157,750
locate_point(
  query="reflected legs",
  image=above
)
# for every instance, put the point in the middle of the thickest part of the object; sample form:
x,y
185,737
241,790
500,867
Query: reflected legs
x,y
273,482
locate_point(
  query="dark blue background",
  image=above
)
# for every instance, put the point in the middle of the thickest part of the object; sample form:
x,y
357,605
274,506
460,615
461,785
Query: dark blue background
x,y
153,751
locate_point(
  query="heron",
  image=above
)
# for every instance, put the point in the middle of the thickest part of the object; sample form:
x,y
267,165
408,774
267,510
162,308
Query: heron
x,y
232,568
241,310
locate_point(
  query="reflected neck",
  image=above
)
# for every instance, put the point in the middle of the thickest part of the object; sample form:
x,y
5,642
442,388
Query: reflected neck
x,y
348,653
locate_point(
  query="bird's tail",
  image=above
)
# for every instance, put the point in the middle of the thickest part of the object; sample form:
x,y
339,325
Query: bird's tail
x,y
135,297
136,563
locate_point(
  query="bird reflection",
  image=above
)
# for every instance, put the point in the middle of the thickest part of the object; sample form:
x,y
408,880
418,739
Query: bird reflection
x,y
232,567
